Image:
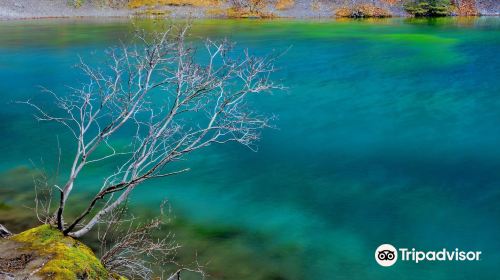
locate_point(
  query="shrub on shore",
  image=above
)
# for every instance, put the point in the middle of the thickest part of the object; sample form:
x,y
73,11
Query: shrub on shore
x,y
429,8
75,3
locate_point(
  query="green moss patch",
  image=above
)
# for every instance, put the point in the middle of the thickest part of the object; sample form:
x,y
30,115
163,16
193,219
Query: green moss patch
x,y
68,258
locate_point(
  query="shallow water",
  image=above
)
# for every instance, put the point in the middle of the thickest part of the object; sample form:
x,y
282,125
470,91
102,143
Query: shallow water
x,y
389,133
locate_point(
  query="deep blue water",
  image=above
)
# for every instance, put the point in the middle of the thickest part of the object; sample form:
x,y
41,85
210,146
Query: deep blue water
x,y
389,133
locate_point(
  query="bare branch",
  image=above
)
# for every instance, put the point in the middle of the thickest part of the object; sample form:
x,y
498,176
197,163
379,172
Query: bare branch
x,y
4,232
131,250
167,101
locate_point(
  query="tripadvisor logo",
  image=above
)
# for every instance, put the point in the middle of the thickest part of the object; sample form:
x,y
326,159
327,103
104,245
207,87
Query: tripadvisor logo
x,y
387,255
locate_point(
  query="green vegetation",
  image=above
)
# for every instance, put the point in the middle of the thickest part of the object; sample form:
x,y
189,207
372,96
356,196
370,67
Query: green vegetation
x,y
429,8
68,258
75,3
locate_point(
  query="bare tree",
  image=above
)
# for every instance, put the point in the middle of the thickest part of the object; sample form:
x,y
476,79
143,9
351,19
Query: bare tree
x,y
167,102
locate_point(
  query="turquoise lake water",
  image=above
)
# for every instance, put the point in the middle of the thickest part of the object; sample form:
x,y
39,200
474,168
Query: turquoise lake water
x,y
389,133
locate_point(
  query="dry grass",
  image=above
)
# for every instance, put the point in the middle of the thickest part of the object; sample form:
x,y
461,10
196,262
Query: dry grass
x,y
466,8
154,13
343,12
245,9
392,2
134,4
363,10
216,12
237,13
244,13
284,4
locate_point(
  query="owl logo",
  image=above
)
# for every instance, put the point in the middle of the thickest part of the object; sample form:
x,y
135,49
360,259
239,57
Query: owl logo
x,y
386,255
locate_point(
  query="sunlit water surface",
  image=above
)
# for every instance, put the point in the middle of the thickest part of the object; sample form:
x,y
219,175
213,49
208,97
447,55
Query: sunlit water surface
x,y
389,133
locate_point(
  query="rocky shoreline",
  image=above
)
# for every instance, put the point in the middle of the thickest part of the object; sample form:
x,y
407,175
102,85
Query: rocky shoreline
x,y
32,9
36,9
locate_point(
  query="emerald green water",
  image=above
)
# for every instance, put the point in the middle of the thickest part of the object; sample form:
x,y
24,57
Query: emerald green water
x,y
389,133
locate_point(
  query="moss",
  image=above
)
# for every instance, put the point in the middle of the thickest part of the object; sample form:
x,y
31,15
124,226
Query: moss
x,y
68,258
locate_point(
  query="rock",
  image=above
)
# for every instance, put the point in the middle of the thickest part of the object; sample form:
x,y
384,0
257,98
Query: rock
x,y
45,253
16,263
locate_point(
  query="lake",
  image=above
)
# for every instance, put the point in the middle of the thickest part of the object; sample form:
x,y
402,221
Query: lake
x,y
389,132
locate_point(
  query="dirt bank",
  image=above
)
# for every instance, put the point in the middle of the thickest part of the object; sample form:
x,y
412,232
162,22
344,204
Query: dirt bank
x,y
22,9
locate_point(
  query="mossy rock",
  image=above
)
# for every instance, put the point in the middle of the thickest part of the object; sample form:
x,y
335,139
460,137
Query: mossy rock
x,y
45,253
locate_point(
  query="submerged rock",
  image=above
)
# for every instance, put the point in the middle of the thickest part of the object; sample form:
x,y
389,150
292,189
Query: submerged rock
x,y
45,253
